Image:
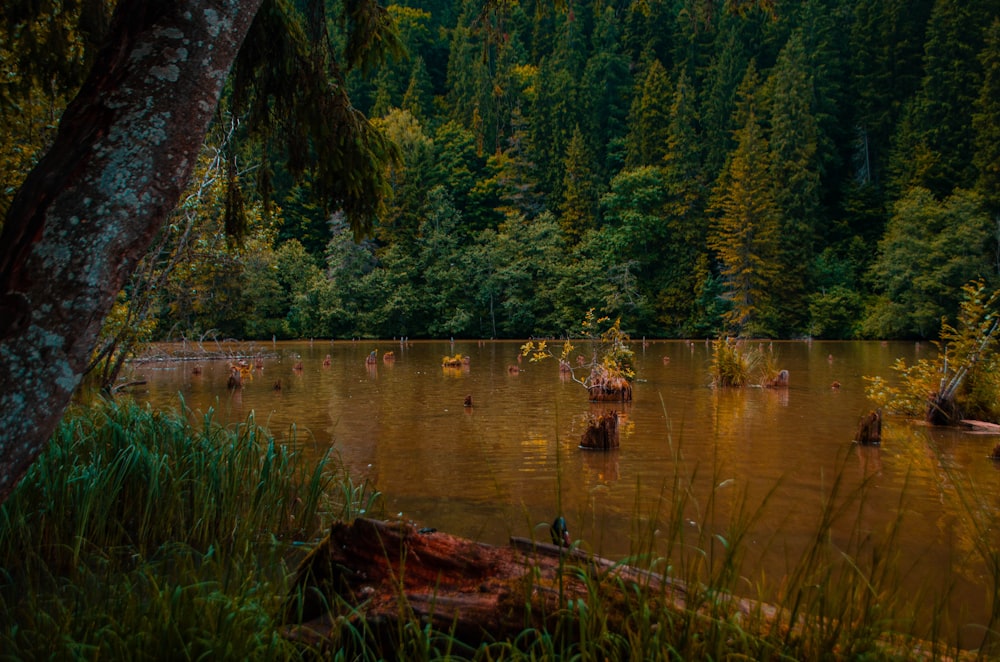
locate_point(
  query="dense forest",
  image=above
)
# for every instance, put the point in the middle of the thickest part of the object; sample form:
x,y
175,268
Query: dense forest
x,y
774,168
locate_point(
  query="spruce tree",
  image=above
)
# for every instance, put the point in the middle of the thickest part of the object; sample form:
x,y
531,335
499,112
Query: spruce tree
x,y
649,118
744,235
578,209
795,173
685,272
986,123
933,149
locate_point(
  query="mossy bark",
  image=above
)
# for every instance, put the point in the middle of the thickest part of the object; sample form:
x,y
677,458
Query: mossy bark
x,y
88,211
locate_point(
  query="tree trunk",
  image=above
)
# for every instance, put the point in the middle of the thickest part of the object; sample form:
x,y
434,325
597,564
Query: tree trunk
x,y
383,574
601,433
88,211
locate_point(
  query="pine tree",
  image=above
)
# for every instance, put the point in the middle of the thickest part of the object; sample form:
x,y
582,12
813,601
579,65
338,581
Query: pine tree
x,y
793,142
986,123
886,44
419,96
554,113
933,149
604,93
684,177
649,118
580,193
744,235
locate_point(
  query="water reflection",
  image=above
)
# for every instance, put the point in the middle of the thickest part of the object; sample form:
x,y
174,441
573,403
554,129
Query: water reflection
x,y
511,461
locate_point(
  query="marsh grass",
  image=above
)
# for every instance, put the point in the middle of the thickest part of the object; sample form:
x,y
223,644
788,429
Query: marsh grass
x,y
141,535
737,363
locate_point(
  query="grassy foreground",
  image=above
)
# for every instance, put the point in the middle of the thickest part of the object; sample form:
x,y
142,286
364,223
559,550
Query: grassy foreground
x,y
144,535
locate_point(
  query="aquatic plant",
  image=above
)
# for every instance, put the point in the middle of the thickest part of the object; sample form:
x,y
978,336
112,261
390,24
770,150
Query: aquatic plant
x,y
737,363
608,372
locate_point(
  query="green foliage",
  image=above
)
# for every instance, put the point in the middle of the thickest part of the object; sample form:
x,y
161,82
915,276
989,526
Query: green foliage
x,y
930,249
965,370
649,118
986,121
738,363
745,234
610,364
139,532
625,132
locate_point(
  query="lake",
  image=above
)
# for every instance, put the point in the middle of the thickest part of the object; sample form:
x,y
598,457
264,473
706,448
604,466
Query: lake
x,y
510,463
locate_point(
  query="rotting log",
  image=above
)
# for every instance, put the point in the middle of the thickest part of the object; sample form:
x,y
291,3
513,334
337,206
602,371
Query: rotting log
x,y
377,575
602,432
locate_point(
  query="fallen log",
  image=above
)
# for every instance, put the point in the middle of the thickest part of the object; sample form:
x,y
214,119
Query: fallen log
x,y
378,578
379,575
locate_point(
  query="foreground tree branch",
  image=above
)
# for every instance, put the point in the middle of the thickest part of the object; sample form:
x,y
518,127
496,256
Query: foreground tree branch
x,y
88,211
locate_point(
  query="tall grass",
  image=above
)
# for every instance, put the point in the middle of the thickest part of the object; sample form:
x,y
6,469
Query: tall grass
x,y
145,535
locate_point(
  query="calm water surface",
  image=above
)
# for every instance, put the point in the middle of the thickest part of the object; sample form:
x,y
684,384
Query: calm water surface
x,y
510,463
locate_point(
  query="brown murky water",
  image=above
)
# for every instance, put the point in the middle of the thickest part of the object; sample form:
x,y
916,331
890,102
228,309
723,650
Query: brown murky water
x,y
510,463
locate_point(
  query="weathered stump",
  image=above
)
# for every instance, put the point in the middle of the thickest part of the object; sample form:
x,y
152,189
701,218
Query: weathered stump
x,y
610,390
870,429
601,433
780,380
376,576
942,410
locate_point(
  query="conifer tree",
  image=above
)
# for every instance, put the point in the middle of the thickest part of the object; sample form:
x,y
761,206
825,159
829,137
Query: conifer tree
x,y
986,124
793,142
744,234
685,272
934,145
604,93
649,118
419,96
578,209
554,113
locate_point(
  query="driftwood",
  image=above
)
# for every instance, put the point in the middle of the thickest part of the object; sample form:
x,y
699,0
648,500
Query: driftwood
x,y
377,578
870,429
379,575
601,433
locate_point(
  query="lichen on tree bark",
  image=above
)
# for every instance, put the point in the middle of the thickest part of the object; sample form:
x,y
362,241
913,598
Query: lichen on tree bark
x,y
86,213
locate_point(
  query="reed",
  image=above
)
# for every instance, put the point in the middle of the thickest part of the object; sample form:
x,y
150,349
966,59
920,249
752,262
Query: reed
x,y
142,533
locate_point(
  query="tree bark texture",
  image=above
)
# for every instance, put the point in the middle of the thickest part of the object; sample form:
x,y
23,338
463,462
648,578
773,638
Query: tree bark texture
x,y
88,211
384,574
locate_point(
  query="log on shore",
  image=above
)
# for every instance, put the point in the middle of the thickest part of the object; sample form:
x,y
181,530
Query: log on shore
x,y
378,575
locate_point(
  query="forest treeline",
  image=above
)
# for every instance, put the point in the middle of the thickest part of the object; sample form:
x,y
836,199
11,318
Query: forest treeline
x,y
823,168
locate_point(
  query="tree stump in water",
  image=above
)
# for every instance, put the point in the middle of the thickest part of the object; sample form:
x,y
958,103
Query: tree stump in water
x,y
601,433
942,410
870,429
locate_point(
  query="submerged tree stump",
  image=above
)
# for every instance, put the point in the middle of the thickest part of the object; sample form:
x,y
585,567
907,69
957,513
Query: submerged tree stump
x,y
601,433
942,410
870,429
